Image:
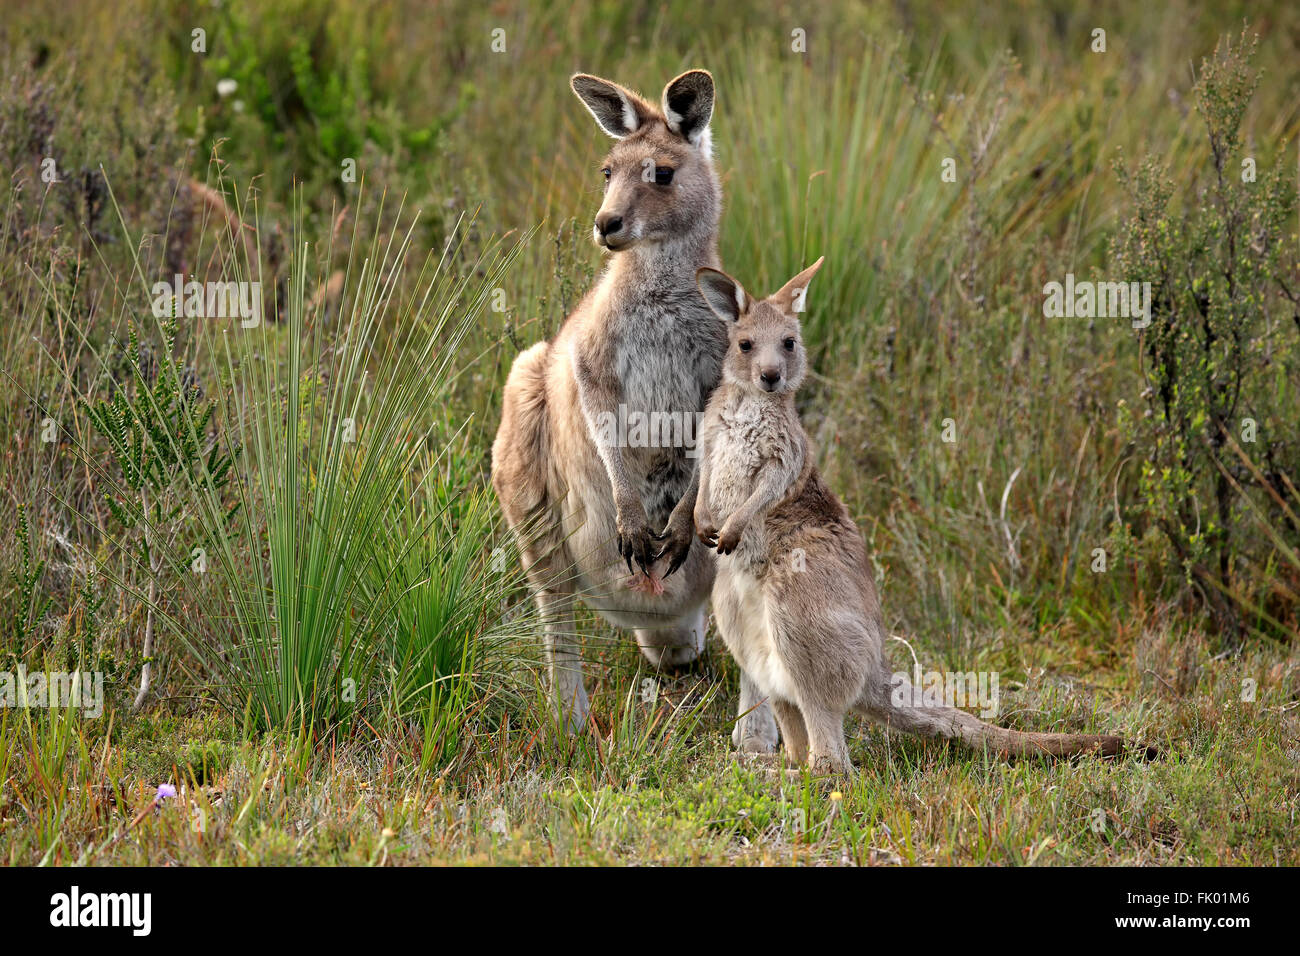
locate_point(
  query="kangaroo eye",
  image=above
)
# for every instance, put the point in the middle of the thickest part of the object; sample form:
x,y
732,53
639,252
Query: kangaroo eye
x,y
746,345
663,175
789,345
605,173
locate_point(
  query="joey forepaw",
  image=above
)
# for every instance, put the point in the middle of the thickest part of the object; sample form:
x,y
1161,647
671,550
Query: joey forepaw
x,y
729,537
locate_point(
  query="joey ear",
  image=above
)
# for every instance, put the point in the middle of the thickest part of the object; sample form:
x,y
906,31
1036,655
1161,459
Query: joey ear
x,y
790,298
619,111
688,106
723,294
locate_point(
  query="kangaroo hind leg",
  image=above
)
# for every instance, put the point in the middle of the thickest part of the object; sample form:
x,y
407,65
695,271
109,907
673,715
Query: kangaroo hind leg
x,y
755,731
827,751
793,731
563,658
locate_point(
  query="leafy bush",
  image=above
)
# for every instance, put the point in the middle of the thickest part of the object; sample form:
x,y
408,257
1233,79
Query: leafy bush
x,y
1216,432
297,80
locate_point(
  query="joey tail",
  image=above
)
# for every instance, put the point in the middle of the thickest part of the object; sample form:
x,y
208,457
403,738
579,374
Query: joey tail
x,y
954,724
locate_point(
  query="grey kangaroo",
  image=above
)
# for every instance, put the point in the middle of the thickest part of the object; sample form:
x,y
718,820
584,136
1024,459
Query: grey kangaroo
x,y
642,349
807,632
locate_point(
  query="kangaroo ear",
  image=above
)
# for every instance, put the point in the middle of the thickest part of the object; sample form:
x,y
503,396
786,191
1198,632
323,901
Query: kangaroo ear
x,y
790,298
619,111
688,105
723,294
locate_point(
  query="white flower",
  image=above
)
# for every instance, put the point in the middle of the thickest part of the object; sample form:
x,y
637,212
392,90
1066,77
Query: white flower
x,y
226,87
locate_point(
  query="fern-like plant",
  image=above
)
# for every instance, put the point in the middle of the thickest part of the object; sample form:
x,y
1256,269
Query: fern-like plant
x,y
156,426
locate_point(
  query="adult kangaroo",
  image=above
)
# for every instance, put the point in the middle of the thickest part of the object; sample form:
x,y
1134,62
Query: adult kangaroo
x,y
594,461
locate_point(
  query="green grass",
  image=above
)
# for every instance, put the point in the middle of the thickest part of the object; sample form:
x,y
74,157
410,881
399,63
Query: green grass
x,y
659,785
399,301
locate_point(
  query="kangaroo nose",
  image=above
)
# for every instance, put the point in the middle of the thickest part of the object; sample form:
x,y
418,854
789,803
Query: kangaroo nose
x,y
608,224
770,376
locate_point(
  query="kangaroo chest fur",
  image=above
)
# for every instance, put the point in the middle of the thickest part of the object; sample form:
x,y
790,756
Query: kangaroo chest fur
x,y
667,350
745,433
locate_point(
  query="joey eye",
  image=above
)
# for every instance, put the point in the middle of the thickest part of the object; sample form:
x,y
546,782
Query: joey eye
x,y
789,345
605,172
663,175
746,345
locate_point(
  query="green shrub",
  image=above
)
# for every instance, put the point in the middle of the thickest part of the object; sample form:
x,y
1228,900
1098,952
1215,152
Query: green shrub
x,y
1216,430
306,87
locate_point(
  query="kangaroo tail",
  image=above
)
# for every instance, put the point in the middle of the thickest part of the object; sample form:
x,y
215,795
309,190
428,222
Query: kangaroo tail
x,y
893,705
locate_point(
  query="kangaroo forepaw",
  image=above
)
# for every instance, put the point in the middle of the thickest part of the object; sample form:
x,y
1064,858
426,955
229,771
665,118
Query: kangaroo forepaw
x,y
729,537
677,545
637,543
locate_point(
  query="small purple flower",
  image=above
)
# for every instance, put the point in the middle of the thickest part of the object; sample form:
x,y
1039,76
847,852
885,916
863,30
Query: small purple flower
x,y
165,790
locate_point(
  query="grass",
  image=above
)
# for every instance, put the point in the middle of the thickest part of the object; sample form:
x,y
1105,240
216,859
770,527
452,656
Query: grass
x,y
354,676
670,792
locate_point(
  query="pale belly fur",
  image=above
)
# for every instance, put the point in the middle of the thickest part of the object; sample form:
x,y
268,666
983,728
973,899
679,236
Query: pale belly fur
x,y
746,621
603,579
588,519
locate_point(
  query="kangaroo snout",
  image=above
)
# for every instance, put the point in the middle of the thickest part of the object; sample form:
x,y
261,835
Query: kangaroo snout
x,y
771,377
609,225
